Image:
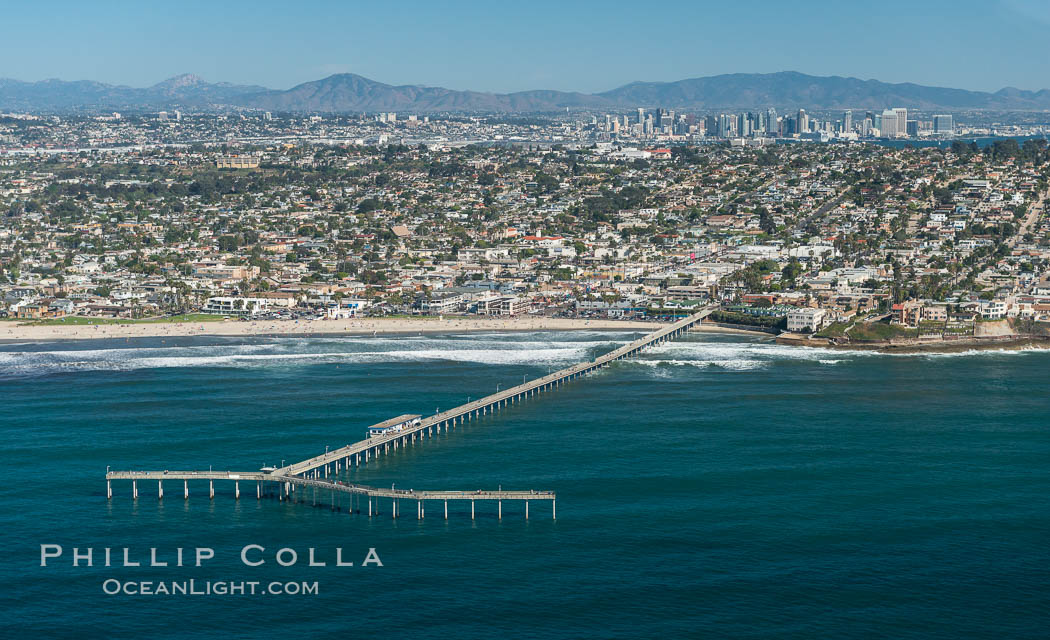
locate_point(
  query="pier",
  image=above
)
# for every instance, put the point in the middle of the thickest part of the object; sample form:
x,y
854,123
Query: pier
x,y
319,472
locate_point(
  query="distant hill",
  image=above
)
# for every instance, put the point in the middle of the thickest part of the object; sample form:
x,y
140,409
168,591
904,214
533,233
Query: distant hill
x,y
793,89
347,93
87,96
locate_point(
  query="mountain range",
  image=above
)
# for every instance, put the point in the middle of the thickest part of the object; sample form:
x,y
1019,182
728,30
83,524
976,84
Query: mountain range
x,y
351,93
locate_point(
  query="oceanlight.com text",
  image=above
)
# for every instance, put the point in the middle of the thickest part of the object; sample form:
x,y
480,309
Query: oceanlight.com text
x,y
114,587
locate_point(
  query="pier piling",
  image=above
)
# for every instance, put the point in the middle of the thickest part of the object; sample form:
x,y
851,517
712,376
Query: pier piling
x,y
309,473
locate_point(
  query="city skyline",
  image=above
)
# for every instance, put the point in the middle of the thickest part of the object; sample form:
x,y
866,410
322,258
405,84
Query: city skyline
x,y
583,47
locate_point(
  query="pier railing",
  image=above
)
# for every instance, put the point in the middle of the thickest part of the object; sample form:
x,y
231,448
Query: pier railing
x,y
314,472
449,418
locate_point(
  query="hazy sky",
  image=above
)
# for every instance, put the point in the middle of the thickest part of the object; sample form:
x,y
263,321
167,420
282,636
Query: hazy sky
x,y
493,46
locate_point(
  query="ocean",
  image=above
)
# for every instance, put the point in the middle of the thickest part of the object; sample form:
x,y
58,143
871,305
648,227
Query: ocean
x,y
982,142
719,487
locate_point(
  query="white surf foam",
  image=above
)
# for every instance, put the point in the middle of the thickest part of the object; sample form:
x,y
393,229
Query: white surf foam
x,y
535,348
123,359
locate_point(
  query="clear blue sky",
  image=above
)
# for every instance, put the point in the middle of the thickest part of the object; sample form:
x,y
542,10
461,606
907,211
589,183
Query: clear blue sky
x,y
504,46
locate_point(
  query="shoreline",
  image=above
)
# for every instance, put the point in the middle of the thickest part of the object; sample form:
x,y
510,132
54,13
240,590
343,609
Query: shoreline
x,y
1013,343
317,328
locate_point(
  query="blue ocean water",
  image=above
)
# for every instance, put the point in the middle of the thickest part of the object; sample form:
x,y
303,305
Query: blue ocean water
x,y
718,487
981,142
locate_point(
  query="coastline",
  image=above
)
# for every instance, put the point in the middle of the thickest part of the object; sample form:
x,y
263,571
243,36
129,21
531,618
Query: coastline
x,y
1011,343
11,332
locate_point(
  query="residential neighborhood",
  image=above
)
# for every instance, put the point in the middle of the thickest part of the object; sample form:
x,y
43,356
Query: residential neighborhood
x,y
110,217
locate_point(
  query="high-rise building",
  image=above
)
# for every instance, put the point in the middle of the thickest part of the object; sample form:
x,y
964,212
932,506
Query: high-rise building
x,y
163,116
902,119
710,126
686,124
726,124
847,121
771,121
178,115
267,116
943,124
743,125
641,115
889,126
802,122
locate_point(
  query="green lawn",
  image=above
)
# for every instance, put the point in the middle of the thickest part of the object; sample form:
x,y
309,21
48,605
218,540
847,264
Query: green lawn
x,y
878,331
833,330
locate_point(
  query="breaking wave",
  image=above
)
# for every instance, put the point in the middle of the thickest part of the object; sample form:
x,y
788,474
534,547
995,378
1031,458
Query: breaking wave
x,y
294,352
746,356
528,348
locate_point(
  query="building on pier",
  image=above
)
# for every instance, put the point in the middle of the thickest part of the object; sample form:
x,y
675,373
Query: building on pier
x,y
393,425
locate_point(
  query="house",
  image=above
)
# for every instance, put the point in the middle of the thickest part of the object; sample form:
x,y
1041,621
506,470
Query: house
x,y
908,313
37,310
345,308
934,313
993,309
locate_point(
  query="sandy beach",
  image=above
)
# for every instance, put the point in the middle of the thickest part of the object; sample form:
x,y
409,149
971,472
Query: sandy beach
x,y
10,331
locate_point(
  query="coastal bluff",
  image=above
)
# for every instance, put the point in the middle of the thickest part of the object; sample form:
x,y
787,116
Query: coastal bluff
x,y
1006,333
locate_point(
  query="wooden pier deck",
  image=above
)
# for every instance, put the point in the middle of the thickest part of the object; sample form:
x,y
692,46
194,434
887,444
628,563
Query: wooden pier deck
x,y
315,472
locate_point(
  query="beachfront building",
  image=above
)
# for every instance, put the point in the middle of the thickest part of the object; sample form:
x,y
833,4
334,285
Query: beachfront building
x,y
442,303
502,306
806,320
248,305
345,308
39,310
